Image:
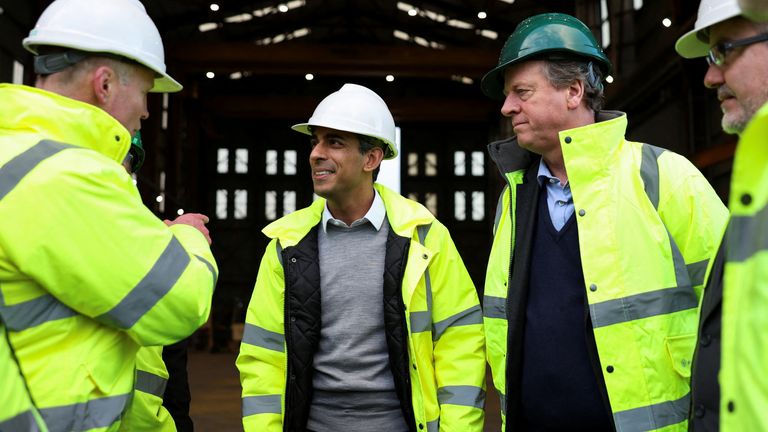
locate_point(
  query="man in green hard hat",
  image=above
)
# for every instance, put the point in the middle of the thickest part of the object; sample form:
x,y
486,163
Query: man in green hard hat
x,y
600,248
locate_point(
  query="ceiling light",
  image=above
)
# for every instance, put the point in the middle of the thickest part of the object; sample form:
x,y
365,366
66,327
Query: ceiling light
x,y
180,212
390,78
666,22
609,79
283,8
159,198
309,77
210,75
482,15
235,75
214,7
204,27
413,12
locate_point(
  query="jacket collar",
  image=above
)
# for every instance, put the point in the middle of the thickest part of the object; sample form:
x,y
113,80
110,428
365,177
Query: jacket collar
x,y
63,119
509,156
404,216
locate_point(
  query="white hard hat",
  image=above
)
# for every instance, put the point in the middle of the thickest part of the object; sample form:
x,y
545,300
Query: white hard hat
x,y
119,27
356,109
695,43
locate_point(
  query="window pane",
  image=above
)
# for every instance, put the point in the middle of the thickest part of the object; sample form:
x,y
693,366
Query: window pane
x,y
478,206
241,161
478,164
430,202
606,28
460,205
271,162
221,204
289,202
222,161
270,205
459,163
18,72
414,196
430,164
241,203
289,162
413,164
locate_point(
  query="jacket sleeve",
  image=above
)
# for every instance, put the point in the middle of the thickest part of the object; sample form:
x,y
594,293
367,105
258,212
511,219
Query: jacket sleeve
x,y
693,213
459,341
262,358
85,238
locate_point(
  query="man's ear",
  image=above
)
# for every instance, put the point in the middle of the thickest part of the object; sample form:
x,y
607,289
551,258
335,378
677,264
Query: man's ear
x,y
103,81
575,94
373,159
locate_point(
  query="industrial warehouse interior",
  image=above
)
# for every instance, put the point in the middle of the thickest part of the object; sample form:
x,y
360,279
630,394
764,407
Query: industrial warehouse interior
x,y
251,69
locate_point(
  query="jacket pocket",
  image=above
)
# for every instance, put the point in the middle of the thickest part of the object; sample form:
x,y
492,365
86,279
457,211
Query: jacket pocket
x,y
680,351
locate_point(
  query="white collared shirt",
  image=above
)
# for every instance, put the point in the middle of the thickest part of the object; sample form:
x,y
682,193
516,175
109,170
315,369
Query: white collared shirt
x,y
375,215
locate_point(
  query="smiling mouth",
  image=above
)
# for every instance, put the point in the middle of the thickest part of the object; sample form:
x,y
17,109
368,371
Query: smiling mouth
x,y
322,173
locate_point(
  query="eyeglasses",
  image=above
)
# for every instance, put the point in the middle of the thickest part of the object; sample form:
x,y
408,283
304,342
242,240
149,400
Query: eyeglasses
x,y
717,53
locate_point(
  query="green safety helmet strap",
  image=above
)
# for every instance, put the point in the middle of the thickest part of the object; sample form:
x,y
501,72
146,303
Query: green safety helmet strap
x,y
554,36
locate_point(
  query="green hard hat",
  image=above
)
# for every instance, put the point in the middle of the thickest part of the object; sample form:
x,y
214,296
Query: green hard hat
x,y
545,36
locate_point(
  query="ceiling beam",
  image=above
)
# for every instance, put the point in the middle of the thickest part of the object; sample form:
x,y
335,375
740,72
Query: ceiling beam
x,y
331,59
404,109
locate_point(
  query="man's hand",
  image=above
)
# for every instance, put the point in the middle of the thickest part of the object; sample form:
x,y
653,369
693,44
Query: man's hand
x,y
196,220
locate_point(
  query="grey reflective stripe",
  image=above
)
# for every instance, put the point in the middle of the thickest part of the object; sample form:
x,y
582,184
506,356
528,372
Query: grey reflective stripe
x,y
15,169
421,321
160,279
210,269
742,241
502,401
34,312
96,413
150,383
630,308
279,252
653,417
466,317
697,271
494,307
649,171
267,404
433,426
24,422
263,338
499,209
470,396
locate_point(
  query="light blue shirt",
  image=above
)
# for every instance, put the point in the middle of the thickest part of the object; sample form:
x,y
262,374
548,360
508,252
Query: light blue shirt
x,y
559,198
375,215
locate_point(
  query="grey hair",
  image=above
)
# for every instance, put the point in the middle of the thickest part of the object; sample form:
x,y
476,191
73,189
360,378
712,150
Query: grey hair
x,y
561,73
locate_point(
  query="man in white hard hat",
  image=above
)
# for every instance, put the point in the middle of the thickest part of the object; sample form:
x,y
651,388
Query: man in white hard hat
x,y
363,316
729,386
87,273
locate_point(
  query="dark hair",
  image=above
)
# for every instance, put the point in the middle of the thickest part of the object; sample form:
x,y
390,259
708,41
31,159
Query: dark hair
x,y
561,73
368,143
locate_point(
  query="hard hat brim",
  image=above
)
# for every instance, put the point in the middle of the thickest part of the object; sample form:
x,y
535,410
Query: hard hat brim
x,y
690,46
304,129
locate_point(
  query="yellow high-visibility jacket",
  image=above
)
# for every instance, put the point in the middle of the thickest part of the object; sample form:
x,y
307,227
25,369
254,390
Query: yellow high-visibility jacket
x,y
743,382
439,361
17,413
87,272
145,411
648,224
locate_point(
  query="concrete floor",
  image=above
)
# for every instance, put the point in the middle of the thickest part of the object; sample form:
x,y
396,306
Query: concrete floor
x,y
215,388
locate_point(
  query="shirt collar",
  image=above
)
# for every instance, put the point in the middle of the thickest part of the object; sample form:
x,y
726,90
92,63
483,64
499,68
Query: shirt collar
x,y
375,215
544,176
